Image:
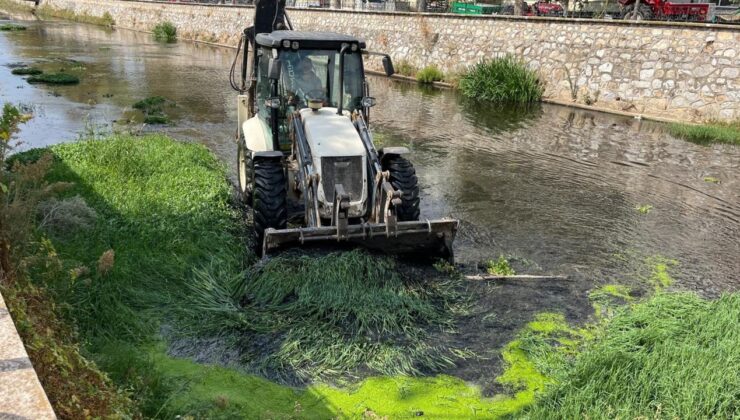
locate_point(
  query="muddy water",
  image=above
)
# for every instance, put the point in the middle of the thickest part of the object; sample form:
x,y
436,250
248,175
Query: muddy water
x,y
554,188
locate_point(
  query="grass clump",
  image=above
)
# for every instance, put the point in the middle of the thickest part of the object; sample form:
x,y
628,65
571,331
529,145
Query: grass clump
x,y
430,74
153,109
26,71
673,356
331,315
504,79
500,267
713,132
54,79
12,27
165,32
405,68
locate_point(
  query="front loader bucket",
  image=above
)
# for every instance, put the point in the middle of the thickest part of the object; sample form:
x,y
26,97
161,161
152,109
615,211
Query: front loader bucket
x,y
429,238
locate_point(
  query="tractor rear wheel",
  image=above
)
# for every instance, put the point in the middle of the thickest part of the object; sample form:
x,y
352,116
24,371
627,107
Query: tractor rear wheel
x,y
644,12
269,198
245,173
403,178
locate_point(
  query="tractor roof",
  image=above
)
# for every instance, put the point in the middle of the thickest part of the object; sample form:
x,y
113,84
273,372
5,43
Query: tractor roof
x,y
308,40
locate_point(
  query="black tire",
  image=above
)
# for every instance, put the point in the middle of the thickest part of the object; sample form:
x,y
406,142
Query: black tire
x,y
644,12
245,172
403,178
269,198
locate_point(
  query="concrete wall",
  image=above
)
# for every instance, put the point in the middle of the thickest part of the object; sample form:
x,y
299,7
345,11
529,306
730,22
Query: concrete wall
x,y
673,70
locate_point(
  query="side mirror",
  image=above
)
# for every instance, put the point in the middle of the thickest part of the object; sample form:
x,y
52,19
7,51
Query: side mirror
x,y
273,69
368,102
388,66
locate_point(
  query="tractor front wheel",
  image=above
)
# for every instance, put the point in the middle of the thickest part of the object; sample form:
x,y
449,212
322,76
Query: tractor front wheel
x,y
269,198
403,178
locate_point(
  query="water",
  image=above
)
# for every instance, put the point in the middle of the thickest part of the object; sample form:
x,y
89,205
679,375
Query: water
x,y
555,188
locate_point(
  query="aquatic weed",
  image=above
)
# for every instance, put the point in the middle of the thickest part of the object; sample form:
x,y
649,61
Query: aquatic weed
x,y
165,32
500,267
502,79
430,74
54,79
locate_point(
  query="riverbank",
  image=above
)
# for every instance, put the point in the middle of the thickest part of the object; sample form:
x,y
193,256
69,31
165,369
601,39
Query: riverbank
x,y
166,298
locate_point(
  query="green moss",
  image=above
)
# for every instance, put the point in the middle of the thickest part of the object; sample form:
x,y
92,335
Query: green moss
x,y
713,132
500,267
660,277
25,71
644,208
54,79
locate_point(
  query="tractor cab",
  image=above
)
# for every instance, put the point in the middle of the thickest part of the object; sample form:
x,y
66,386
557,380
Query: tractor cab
x,y
296,70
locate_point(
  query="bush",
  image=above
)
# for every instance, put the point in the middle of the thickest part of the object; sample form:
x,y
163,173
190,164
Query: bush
x,y
405,68
430,74
504,79
55,79
713,132
66,216
165,32
26,71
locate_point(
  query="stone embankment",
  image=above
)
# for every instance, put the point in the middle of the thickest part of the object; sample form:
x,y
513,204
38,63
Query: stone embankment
x,y
21,394
684,71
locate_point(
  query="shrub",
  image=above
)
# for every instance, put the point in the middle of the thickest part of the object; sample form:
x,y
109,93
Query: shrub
x,y
430,74
504,79
107,19
62,217
165,32
27,71
55,79
713,132
405,68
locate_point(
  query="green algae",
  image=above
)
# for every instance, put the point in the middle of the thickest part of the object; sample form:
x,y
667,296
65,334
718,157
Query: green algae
x,y
659,277
607,297
500,267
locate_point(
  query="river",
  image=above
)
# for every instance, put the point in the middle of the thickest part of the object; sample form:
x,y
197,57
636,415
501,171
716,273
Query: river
x,y
555,189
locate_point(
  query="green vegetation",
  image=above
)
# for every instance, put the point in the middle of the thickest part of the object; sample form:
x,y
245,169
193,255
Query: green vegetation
x,y
334,314
711,179
430,74
673,356
46,11
12,27
504,79
28,262
153,109
26,71
404,68
644,208
713,132
54,79
500,267
165,32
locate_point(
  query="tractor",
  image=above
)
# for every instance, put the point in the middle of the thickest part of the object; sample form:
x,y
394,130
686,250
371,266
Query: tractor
x,y
306,162
681,10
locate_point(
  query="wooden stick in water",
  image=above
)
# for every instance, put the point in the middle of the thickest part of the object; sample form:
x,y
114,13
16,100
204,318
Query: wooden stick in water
x,y
514,277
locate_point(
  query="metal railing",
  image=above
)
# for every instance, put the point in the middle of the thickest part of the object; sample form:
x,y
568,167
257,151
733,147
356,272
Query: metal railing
x,y
725,13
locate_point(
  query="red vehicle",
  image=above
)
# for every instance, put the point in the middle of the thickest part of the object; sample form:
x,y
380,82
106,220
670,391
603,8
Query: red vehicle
x,y
665,10
546,8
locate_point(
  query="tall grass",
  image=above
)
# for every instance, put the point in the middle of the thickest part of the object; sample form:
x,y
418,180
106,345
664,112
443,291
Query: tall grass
x,y
335,314
165,32
503,79
430,74
673,356
713,132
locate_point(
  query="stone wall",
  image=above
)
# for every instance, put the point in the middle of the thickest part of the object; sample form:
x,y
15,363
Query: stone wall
x,y
672,70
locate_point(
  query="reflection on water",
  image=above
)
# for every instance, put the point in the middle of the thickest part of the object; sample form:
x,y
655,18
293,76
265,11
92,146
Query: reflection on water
x,y
555,187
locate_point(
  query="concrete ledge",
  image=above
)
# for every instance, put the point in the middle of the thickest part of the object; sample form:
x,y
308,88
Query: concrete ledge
x,y
21,394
